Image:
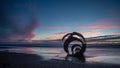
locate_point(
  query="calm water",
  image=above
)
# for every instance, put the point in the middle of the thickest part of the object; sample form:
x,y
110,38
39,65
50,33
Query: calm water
x,y
102,55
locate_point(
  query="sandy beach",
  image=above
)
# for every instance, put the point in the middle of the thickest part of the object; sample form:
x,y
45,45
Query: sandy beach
x,y
32,59
19,60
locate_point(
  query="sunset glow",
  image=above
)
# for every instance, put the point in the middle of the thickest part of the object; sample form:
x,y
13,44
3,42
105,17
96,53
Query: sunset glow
x,y
50,20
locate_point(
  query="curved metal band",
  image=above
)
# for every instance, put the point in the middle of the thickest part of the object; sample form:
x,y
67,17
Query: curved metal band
x,y
66,36
75,45
80,35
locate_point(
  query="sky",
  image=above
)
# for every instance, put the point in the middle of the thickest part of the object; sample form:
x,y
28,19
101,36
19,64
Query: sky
x,y
26,20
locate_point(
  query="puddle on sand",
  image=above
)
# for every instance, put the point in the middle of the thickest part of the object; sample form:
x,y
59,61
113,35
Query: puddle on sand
x,y
105,59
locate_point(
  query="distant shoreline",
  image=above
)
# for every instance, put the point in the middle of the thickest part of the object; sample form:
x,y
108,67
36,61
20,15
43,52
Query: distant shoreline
x,y
59,46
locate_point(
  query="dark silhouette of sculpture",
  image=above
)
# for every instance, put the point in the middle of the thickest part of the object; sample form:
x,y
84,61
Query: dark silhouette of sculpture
x,y
80,58
77,49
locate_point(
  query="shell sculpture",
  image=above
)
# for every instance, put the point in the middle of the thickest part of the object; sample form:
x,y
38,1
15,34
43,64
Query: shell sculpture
x,y
76,49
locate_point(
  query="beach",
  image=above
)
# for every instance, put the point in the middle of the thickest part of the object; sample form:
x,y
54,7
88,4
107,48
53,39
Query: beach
x,y
35,57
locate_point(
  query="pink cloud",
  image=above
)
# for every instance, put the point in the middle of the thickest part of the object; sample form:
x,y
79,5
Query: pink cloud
x,y
91,33
19,31
106,24
53,27
55,37
100,26
114,33
61,33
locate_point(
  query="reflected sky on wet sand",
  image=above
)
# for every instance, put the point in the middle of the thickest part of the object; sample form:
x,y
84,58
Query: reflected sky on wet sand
x,y
102,55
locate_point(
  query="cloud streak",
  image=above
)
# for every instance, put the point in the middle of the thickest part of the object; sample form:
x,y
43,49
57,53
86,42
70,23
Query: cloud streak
x,y
55,37
115,33
90,33
106,24
54,27
100,26
61,33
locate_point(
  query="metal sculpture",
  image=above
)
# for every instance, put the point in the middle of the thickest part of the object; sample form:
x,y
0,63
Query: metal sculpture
x,y
76,49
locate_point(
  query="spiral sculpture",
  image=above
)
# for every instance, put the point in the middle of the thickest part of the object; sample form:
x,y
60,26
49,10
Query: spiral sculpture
x,y
76,49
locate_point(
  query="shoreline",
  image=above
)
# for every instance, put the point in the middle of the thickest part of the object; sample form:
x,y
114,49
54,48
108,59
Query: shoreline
x,y
21,60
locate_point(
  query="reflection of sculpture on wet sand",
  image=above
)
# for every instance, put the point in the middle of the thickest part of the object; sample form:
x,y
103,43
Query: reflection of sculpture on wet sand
x,y
76,49
80,58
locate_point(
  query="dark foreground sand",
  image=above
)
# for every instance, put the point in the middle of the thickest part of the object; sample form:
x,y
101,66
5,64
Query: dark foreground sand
x,y
20,60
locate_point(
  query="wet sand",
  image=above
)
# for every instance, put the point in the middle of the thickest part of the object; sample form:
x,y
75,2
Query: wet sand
x,y
38,57
21,60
